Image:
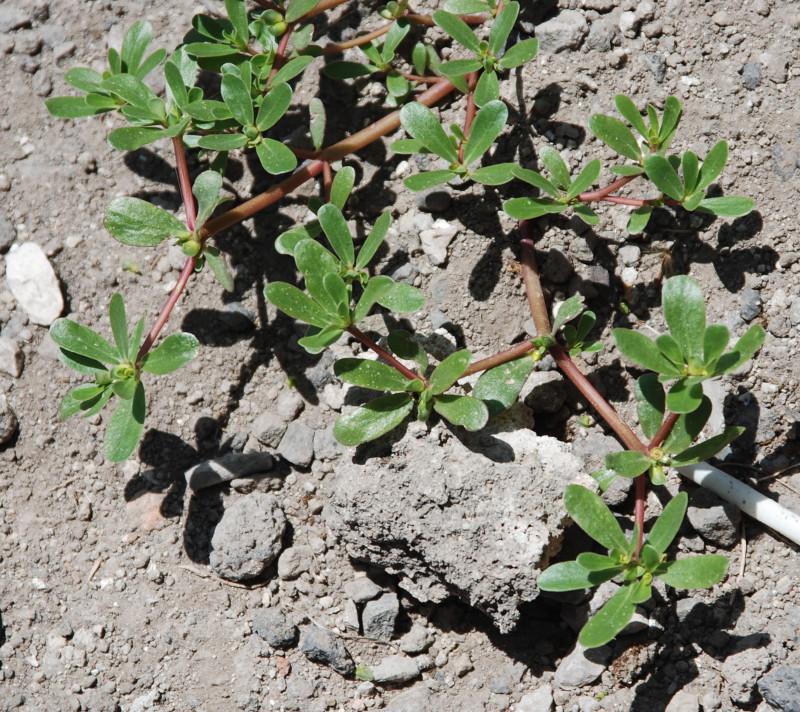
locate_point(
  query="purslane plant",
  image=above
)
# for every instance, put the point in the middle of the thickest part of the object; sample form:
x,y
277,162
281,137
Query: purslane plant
x,y
258,57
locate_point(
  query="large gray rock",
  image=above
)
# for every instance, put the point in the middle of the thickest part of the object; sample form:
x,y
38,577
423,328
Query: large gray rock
x,y
448,520
275,628
565,31
417,699
248,537
323,647
582,666
379,617
395,670
781,688
713,519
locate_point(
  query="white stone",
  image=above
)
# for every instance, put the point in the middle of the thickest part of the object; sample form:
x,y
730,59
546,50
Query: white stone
x,y
11,357
437,239
34,284
540,700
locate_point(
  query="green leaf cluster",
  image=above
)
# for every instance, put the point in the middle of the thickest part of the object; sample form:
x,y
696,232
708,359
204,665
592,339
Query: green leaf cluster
x,y
635,570
488,56
331,303
562,190
116,372
379,416
575,335
460,151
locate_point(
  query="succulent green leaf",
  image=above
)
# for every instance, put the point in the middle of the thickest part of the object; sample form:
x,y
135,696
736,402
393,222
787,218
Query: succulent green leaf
x,y
712,167
370,374
638,348
650,404
529,208
131,138
628,110
616,135
237,14
459,67
628,463
489,122
397,33
555,164
207,110
690,167
340,297
708,448
172,353
374,240
520,53
335,227
537,180
668,346
639,219
458,30
274,156
129,89
685,313
715,341
206,189
134,45
585,213
274,106
668,523
237,98
301,38
209,49
687,428
567,311
408,145
119,325
500,387
316,110
317,340
82,341
296,304
403,346
175,84
218,266
149,64
377,288
669,120
419,121
604,625
428,179
585,179
342,186
125,427
372,420
744,349
502,26
78,399
222,142
597,562
125,389
85,79
466,7
571,576
592,515
72,107
470,413
497,174
627,170
348,70
604,477
702,571
298,8
685,396
664,176
136,222
487,88
315,262
397,85
727,206
449,371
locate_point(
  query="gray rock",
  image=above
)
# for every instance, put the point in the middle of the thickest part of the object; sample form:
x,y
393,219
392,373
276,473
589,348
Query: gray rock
x,y
417,699
454,522
684,701
34,284
540,700
713,519
689,610
289,405
656,64
582,666
8,421
248,537
227,468
544,392
395,670
379,616
416,641
361,590
275,628
751,75
12,19
630,254
8,233
297,444
268,428
294,561
601,35
299,687
405,273
327,447
499,686
12,359
750,303
320,646
780,687
433,200
557,266
742,670
565,31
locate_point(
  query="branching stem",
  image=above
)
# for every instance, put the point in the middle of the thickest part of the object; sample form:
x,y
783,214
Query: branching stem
x,y
384,354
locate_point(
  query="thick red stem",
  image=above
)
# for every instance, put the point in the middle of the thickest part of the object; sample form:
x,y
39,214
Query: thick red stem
x,y
184,182
384,354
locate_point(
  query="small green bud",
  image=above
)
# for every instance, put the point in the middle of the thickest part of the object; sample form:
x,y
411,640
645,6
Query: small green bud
x,y
191,247
251,132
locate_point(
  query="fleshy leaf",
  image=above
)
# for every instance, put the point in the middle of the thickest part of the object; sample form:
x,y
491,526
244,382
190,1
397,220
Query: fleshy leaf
x,y
520,53
274,106
708,448
628,463
457,29
555,164
615,134
171,354
449,371
639,219
537,180
404,347
131,138
685,313
373,419
585,179
664,176
727,206
502,26
604,625
296,304
275,157
402,298
125,427
685,396
370,374
638,348
529,208
493,175
82,341
592,515
489,122
337,232
650,404
571,576
500,387
715,161
136,222
702,571
419,121
628,109
687,428
374,240
468,412
668,523
428,179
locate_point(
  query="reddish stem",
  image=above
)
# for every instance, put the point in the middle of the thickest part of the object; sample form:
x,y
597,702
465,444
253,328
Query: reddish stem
x,y
472,80
384,354
356,41
418,78
327,181
664,430
509,354
280,55
591,195
636,202
184,182
427,20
